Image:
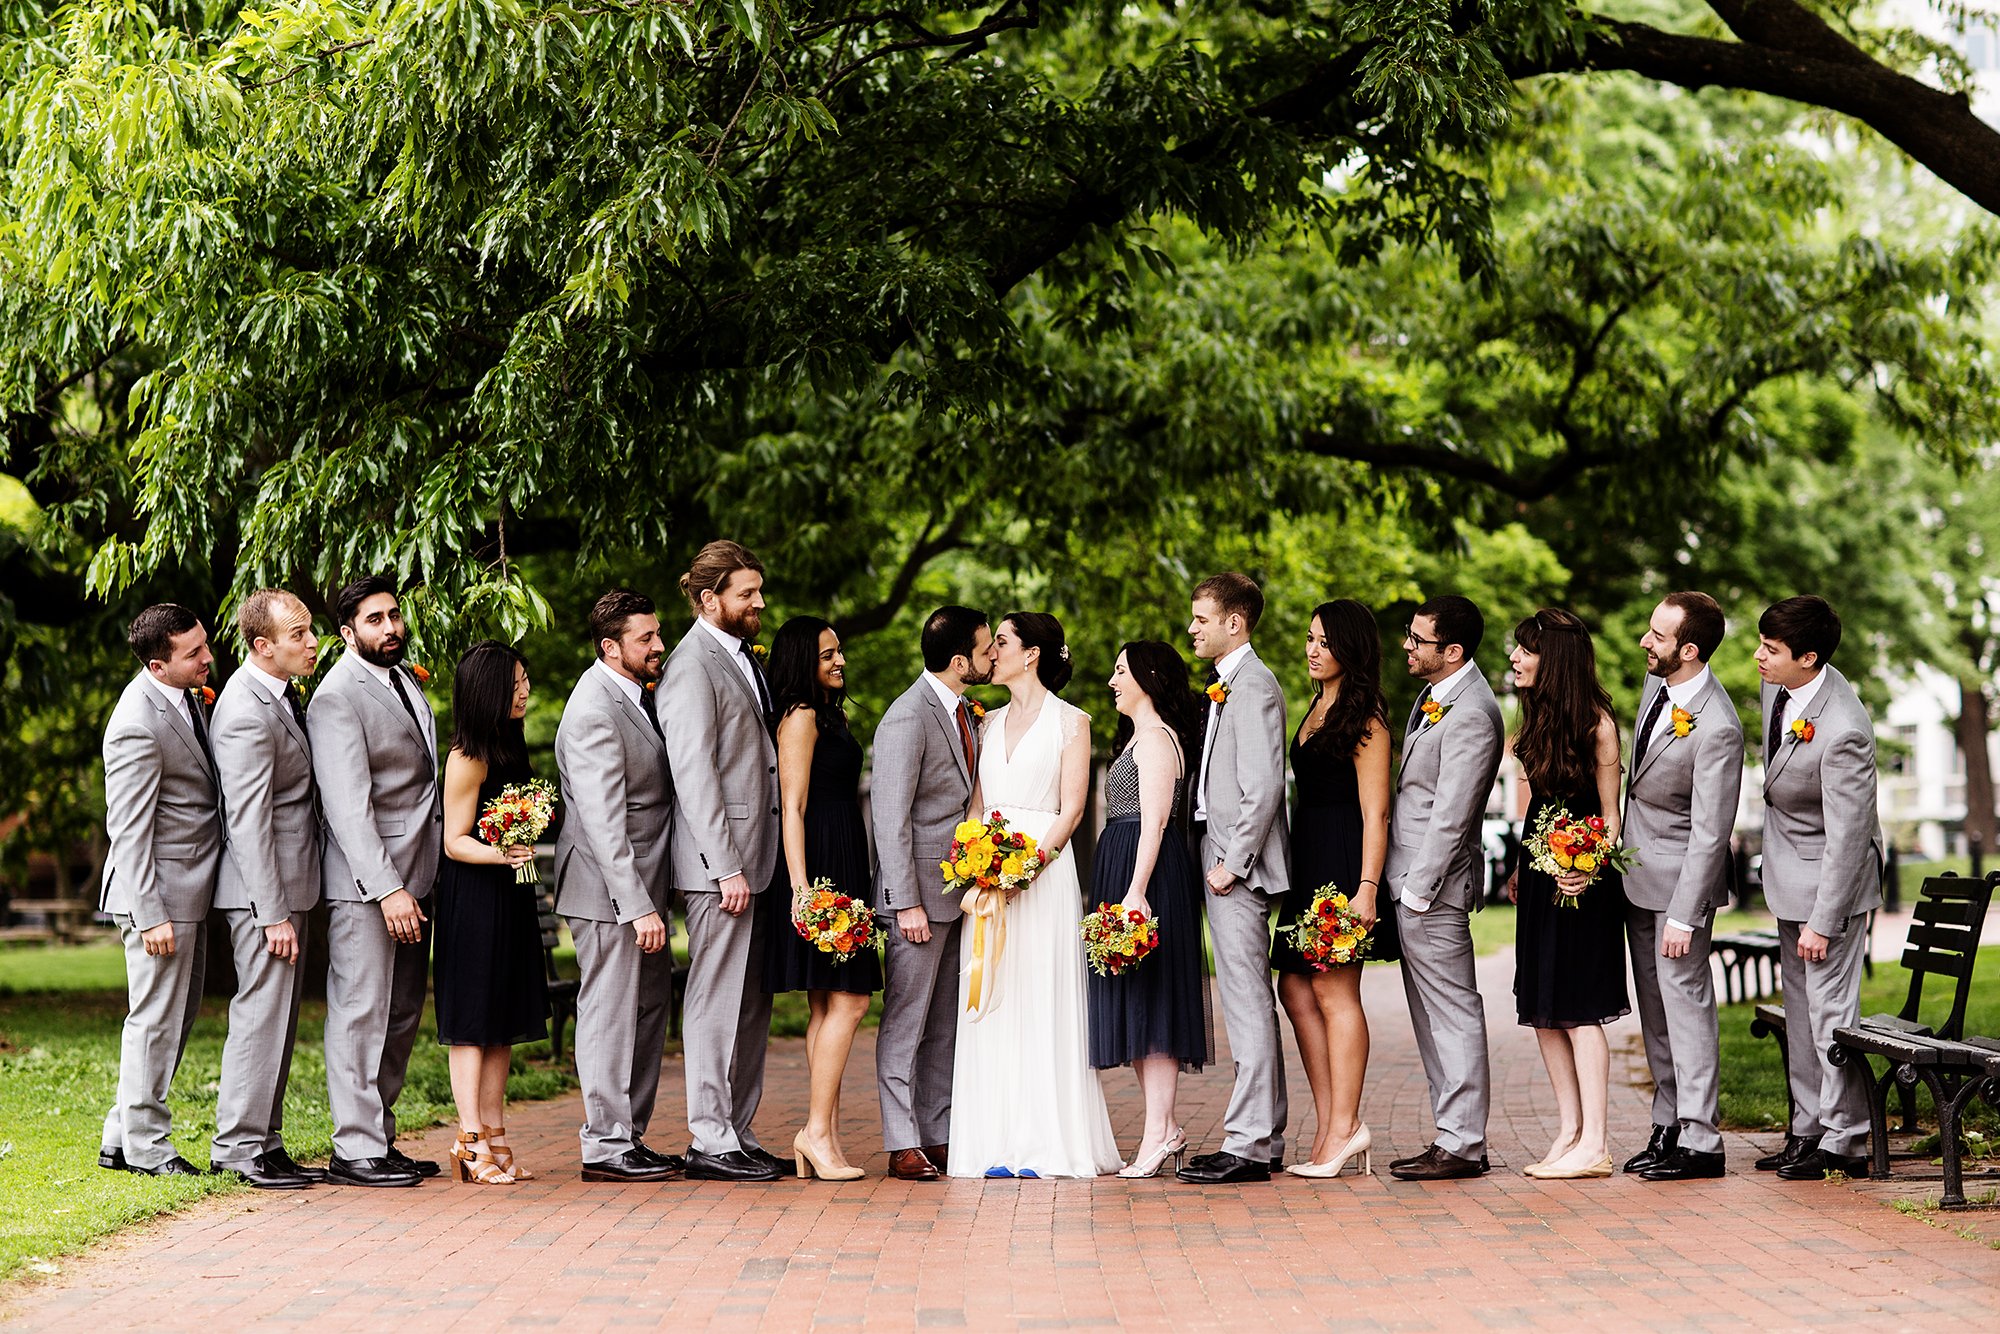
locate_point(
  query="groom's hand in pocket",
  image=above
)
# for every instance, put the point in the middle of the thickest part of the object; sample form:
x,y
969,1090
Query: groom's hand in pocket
x,y
650,932
915,924
1220,881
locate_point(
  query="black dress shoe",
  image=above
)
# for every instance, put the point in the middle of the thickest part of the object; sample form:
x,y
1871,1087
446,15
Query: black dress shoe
x,y
368,1172
1683,1165
423,1167
784,1167
282,1161
1796,1147
265,1174
1439,1165
1815,1165
1224,1169
175,1166
673,1162
112,1159
735,1165
1413,1160
631,1165
1658,1149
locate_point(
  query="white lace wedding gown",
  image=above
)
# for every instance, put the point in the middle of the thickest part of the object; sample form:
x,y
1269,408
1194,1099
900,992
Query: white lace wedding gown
x,y
1023,1095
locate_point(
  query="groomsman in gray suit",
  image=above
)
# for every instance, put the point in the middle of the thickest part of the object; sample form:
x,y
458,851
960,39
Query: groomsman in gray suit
x,y
270,880
1451,752
161,816
1246,854
1680,805
374,746
926,758
1822,877
612,883
715,708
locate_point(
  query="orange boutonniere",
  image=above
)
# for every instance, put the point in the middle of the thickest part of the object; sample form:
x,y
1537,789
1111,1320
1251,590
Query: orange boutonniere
x,y
207,695
759,652
1683,721
418,670
1218,691
976,709
1434,712
650,685
1802,731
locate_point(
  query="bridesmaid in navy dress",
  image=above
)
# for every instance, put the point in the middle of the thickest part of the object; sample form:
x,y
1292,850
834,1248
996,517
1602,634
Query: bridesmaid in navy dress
x,y
819,790
1340,837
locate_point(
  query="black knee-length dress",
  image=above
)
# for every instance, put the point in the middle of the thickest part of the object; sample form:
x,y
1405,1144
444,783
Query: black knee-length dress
x,y
1326,850
836,850
486,952
1569,963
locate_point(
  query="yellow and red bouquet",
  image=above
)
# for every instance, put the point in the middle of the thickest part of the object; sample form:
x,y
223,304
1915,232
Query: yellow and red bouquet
x,y
986,854
1330,933
1564,842
832,922
1115,938
518,817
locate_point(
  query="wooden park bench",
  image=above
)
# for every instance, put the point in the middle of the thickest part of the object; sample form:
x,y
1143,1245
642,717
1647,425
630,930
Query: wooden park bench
x,y
1956,1072
1945,925
62,919
1749,962
562,990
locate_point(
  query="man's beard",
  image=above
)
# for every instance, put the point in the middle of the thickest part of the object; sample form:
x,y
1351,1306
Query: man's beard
x,y
744,627
1660,666
645,667
973,678
382,657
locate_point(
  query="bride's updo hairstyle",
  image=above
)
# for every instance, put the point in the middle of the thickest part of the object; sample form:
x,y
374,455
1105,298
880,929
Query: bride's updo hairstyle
x,y
1039,630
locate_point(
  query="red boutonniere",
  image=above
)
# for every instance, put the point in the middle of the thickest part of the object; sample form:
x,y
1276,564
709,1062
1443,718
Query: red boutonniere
x,y
1218,692
1434,712
759,652
1802,731
1683,721
417,670
207,695
976,709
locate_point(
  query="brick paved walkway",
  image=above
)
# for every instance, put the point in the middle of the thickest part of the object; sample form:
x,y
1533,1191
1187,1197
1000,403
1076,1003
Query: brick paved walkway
x,y
1503,1251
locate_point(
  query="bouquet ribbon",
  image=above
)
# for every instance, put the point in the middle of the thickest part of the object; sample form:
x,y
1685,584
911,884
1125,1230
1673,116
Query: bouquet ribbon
x,y
988,909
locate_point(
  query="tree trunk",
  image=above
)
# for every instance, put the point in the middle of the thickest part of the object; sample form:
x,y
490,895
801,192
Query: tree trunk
x,y
1974,726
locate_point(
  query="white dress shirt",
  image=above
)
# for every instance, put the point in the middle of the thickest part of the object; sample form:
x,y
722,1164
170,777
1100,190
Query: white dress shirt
x,y
426,723
176,698
1225,667
1801,699
1442,691
277,687
734,648
633,690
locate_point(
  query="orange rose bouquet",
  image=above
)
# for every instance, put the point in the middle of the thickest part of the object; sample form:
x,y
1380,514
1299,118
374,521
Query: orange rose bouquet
x,y
519,817
986,854
1563,842
832,922
1115,938
1330,933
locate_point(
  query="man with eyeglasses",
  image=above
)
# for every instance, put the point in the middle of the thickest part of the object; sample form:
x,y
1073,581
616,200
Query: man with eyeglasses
x,y
1451,752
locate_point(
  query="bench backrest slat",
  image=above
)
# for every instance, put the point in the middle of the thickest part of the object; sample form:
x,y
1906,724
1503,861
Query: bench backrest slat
x,y
1948,918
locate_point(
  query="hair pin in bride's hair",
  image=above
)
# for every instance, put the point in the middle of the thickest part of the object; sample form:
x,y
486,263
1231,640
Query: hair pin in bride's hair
x,y
1064,651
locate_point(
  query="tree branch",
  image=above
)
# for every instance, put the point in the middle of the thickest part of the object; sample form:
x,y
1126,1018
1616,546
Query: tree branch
x,y
937,538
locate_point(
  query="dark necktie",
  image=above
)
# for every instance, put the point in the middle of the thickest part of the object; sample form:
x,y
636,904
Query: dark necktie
x,y
1208,723
200,727
965,738
649,700
1777,737
1417,710
396,680
295,696
1644,736
757,675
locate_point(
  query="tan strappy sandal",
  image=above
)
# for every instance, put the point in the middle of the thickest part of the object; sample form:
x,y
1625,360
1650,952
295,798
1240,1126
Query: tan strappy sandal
x,y
496,1140
474,1167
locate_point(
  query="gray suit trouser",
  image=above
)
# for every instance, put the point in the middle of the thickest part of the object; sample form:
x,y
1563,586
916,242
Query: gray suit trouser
x,y
163,996
1828,1100
1676,999
621,1031
257,1055
1239,925
919,1034
374,1002
1449,1016
725,1024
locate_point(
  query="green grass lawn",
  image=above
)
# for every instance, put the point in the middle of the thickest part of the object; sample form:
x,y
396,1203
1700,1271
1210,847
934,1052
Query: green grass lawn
x,y
1753,1072
61,1010
1493,928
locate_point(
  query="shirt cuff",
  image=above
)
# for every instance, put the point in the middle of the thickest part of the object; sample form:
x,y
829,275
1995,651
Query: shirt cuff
x,y
1680,926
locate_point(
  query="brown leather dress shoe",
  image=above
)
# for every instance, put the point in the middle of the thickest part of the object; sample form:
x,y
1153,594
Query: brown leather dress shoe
x,y
911,1165
940,1156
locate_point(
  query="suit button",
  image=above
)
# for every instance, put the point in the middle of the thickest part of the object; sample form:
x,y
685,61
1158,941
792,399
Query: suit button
x,y
773,769
774,810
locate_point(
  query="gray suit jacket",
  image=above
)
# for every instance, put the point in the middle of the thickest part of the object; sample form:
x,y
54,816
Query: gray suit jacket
x,y
160,812
919,791
1822,858
611,853
1448,770
377,784
725,769
272,865
1248,832
1680,806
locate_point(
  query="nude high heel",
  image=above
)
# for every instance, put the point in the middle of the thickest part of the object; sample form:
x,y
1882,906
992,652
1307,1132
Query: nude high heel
x,y
1361,1142
809,1165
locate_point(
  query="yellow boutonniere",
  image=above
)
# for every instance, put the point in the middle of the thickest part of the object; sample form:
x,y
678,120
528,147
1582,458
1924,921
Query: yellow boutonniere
x,y
976,709
1218,692
1802,731
759,652
1433,712
417,670
1683,721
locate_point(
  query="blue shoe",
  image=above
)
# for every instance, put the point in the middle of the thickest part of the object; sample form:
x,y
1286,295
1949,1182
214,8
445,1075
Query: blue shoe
x,y
998,1172
1028,1173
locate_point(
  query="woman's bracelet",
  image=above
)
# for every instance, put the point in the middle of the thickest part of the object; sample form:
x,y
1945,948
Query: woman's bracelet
x,y
1376,883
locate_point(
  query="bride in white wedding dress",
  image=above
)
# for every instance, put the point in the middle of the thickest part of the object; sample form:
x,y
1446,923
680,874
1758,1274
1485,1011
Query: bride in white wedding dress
x,y
1024,1099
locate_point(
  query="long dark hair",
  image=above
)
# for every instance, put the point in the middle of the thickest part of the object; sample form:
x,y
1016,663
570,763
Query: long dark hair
x,y
794,673
482,704
1557,743
1160,671
1356,644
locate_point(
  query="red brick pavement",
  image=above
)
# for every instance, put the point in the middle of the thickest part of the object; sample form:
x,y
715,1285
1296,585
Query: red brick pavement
x,y
1362,1253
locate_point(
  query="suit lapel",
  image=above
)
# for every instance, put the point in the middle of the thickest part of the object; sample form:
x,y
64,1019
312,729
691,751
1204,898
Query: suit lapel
x,y
286,721
1658,748
632,715
720,661
180,728
949,726
384,695
1791,744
